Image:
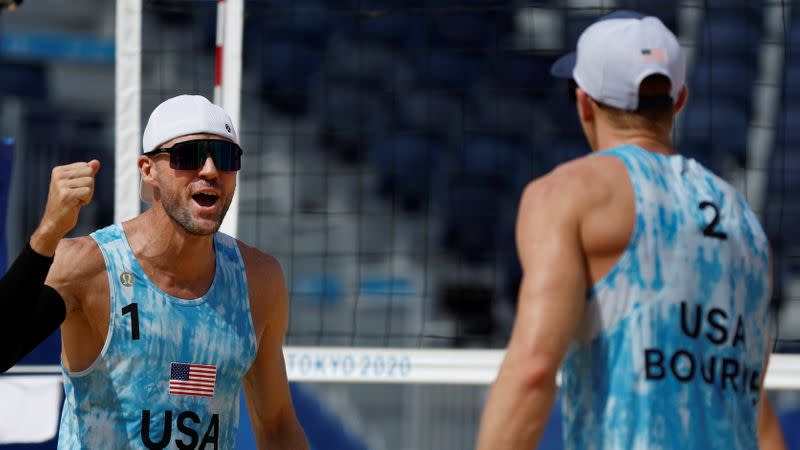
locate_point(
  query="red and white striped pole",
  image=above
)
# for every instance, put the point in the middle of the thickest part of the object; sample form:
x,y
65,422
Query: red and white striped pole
x,y
219,52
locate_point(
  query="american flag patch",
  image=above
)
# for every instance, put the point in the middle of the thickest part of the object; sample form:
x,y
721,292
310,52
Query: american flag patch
x,y
192,379
654,54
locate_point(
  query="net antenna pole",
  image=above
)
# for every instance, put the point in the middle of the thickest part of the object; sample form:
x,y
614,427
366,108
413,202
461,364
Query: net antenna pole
x,y
127,109
228,81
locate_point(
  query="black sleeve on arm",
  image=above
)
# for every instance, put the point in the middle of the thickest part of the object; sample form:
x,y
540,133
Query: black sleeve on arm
x,y
29,310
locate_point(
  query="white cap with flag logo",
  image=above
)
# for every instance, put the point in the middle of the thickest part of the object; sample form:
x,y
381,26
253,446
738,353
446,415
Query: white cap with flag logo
x,y
617,52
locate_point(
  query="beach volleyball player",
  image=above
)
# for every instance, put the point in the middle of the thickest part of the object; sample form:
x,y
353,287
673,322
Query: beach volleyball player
x,y
646,278
163,319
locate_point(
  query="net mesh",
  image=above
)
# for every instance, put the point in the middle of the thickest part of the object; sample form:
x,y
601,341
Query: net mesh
x,y
387,143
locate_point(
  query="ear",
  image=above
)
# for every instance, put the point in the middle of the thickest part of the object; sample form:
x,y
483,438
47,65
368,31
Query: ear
x,y
682,97
585,105
147,169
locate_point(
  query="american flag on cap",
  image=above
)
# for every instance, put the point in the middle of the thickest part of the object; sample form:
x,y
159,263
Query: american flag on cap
x,y
654,54
192,379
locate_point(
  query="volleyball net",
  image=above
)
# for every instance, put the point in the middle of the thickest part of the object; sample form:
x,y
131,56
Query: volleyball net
x,y
386,145
387,142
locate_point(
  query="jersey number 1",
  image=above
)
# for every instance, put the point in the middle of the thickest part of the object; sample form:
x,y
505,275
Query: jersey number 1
x,y
711,229
133,309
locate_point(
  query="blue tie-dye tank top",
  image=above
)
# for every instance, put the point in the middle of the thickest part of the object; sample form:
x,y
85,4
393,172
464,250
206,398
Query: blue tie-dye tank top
x,y
170,371
671,351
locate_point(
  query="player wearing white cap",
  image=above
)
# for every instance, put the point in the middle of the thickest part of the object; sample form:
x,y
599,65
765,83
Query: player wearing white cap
x,y
646,278
163,319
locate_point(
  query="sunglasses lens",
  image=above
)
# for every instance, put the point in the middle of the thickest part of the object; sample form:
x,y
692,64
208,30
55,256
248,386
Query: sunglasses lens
x,y
191,155
185,156
227,156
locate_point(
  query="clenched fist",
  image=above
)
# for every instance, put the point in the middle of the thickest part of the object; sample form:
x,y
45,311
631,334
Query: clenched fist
x,y
71,187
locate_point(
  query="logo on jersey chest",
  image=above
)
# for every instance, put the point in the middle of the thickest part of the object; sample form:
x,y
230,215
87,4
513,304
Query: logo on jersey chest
x,y
189,426
127,279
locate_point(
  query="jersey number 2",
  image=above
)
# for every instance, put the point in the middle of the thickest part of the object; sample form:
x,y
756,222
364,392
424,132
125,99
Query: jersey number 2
x,y
711,229
133,309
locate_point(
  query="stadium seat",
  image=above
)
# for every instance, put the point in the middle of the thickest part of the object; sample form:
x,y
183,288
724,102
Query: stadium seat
x,y
6,166
491,156
727,79
468,30
667,10
782,215
406,163
348,115
286,70
720,127
383,24
367,65
751,9
792,72
22,79
509,113
520,73
729,36
470,216
446,70
554,151
306,21
431,110
793,38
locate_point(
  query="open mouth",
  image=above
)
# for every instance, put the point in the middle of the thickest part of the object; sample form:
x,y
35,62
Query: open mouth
x,y
205,199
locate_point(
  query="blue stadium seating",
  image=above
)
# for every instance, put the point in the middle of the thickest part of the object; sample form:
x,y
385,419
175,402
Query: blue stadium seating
x,y
367,65
381,24
667,11
431,110
791,91
23,79
508,113
715,132
489,154
468,30
446,70
348,115
6,165
782,214
307,21
729,36
406,164
470,209
520,73
726,79
551,152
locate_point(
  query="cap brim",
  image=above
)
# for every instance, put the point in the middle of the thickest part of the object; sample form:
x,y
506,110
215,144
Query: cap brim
x,y
564,66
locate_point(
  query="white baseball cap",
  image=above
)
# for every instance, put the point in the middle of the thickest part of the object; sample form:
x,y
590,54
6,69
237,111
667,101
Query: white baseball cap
x,y
180,116
617,52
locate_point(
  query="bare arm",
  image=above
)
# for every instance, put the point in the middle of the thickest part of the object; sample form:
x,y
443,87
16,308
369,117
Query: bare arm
x,y
770,435
33,309
550,308
272,414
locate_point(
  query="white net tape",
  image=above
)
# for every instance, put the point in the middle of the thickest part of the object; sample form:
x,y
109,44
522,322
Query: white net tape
x,y
426,366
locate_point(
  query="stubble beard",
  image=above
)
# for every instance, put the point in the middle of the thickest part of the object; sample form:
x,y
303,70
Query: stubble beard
x,y
183,217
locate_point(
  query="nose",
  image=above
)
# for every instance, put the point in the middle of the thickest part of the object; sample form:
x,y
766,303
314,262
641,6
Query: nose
x,y
208,170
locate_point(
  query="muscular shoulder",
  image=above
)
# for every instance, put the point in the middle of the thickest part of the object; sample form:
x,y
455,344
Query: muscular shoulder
x,y
578,185
78,269
267,289
266,267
